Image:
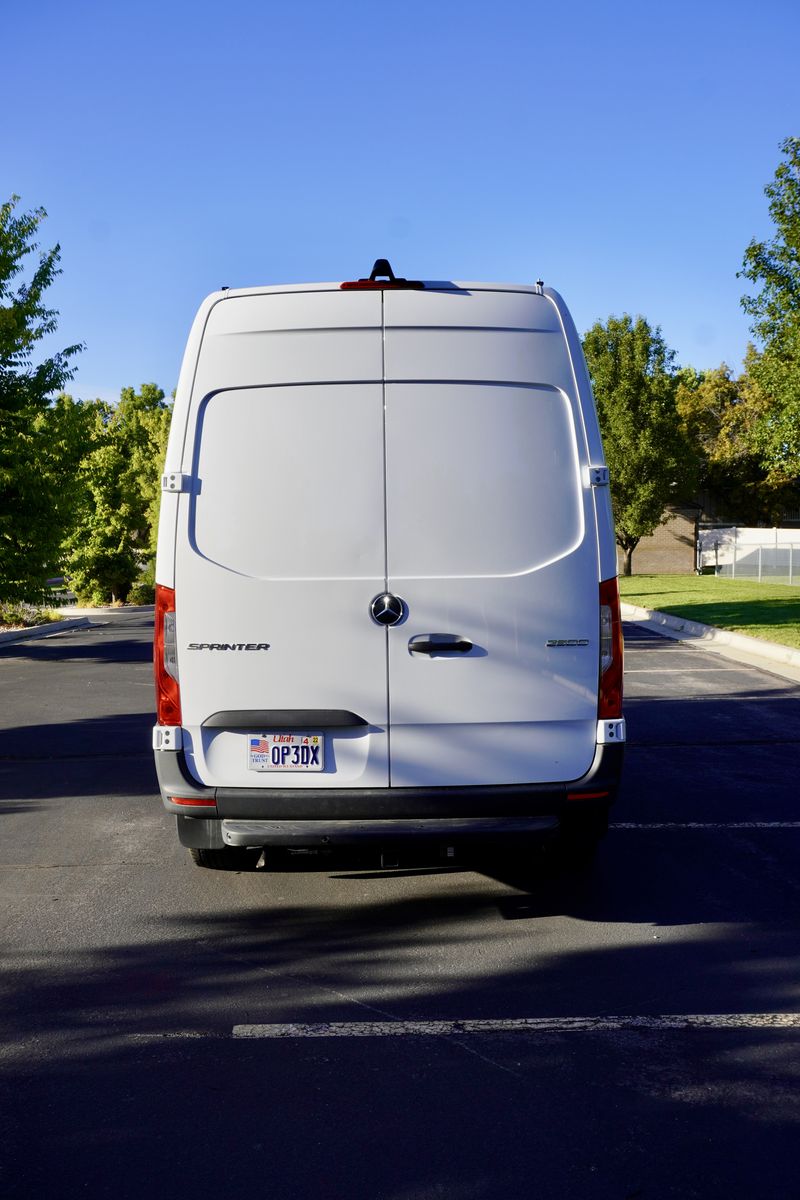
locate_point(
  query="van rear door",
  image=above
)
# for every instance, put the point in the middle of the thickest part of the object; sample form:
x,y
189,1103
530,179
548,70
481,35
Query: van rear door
x,y
491,542
281,539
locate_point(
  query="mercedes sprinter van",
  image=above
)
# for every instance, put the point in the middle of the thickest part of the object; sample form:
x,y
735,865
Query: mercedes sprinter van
x,y
386,601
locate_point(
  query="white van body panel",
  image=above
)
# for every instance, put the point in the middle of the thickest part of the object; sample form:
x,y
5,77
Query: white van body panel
x,y
282,537
465,462
434,443
284,543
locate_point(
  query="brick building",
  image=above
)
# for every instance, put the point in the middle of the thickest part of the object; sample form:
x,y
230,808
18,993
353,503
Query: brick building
x,y
671,549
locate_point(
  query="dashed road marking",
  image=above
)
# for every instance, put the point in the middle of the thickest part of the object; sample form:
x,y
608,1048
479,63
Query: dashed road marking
x,y
648,825
372,1029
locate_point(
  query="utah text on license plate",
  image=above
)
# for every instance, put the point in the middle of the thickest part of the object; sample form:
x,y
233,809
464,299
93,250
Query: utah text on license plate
x,y
286,751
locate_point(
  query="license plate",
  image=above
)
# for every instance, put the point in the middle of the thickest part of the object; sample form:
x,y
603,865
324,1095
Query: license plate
x,y
286,752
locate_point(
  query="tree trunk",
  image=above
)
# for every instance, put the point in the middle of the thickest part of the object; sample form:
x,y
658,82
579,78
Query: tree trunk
x,y
627,555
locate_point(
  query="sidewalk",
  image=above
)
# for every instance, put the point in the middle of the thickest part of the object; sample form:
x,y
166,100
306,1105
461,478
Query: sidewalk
x,y
753,652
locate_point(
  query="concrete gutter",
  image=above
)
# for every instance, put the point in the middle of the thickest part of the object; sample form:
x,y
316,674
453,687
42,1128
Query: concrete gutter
x,y
39,631
755,652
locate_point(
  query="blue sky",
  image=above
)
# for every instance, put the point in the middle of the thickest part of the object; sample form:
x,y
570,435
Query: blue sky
x,y
618,150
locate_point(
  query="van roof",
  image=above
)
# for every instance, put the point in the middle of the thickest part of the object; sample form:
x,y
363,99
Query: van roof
x,y
433,285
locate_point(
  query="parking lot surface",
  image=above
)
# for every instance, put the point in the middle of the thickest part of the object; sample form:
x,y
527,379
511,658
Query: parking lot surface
x,y
336,1028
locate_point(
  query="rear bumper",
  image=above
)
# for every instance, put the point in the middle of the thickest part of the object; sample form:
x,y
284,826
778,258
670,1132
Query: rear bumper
x,y
387,812
355,833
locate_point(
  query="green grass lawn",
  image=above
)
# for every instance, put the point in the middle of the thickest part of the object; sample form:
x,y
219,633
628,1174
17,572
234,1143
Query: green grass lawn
x,y
764,610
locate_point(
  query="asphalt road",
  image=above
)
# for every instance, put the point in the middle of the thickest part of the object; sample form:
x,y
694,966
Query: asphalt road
x,y
125,970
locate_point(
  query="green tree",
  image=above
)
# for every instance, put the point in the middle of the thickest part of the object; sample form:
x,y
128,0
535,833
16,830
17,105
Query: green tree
x,y
147,416
649,458
34,509
705,401
110,549
773,370
722,417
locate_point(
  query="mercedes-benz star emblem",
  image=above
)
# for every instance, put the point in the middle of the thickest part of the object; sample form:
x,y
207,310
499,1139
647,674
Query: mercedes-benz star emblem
x,y
387,609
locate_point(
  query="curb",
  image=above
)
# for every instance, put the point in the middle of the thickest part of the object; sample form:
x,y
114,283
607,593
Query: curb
x,y
108,610
38,631
734,645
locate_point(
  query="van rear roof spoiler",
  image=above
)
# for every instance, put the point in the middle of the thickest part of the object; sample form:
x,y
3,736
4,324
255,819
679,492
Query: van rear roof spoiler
x,y
383,278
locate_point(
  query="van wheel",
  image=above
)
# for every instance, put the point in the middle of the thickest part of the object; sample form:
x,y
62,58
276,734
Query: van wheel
x,y
230,858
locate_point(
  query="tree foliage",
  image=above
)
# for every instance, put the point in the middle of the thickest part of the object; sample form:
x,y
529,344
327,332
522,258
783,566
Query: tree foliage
x,y
649,458
722,416
79,481
773,369
37,443
112,542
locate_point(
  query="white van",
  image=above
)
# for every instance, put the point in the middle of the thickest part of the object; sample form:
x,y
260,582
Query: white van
x,y
386,598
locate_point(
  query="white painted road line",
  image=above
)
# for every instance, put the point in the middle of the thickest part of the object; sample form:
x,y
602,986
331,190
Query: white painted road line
x,y
370,1029
685,670
647,825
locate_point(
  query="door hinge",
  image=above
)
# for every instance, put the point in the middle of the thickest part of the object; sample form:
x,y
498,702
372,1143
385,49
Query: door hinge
x,y
598,476
612,731
174,481
167,737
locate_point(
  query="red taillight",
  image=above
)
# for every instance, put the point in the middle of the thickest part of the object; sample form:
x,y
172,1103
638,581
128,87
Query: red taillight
x,y
165,659
382,285
192,802
610,693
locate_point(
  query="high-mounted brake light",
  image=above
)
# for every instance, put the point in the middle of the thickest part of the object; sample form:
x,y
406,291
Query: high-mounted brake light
x,y
610,692
382,279
165,659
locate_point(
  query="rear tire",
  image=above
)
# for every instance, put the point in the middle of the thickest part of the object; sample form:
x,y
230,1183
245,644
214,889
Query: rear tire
x,y
229,858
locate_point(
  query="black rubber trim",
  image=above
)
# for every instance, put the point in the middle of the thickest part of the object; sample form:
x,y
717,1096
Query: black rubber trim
x,y
285,718
529,799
